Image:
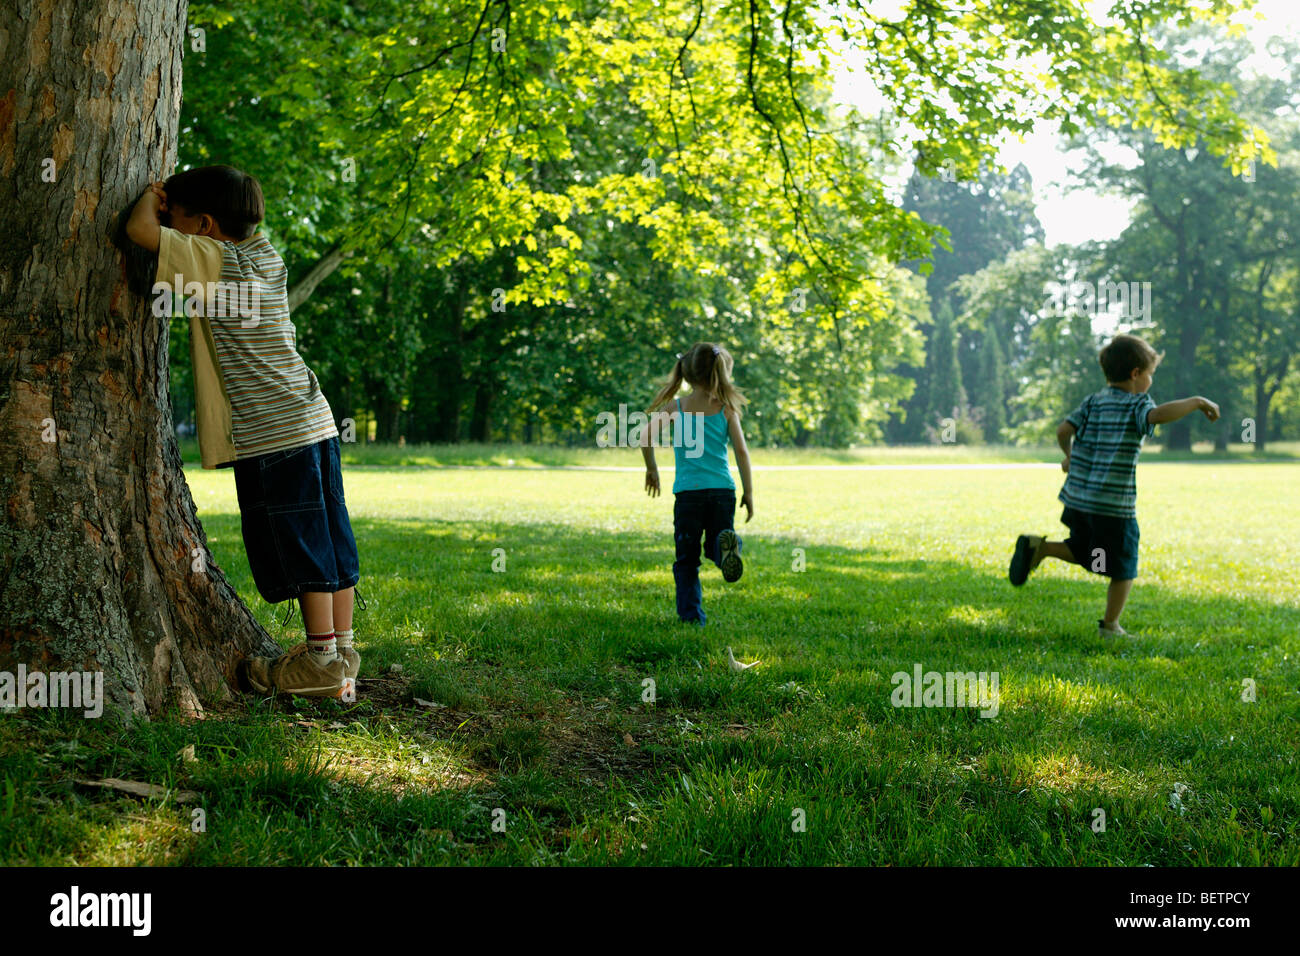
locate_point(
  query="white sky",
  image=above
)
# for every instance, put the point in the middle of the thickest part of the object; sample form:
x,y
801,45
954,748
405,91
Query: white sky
x,y
1080,215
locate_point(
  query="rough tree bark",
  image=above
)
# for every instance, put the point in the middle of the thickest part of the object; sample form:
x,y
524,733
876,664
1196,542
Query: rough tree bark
x,y
103,562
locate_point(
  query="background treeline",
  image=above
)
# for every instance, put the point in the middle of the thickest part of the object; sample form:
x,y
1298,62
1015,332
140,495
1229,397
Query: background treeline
x,y
494,236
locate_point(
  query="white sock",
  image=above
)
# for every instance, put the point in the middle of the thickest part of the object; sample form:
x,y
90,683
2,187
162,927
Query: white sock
x,y
322,647
343,639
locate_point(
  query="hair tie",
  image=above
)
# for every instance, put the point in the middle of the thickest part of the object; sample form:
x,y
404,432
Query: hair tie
x,y
679,356
716,350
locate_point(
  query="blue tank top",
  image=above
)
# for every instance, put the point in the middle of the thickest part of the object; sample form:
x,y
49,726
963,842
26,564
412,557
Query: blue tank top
x,y
709,468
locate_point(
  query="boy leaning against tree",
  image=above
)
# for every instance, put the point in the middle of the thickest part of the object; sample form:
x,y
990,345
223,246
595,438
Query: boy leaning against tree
x,y
260,410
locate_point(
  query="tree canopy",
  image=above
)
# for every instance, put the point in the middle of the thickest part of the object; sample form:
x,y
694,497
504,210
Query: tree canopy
x,y
502,217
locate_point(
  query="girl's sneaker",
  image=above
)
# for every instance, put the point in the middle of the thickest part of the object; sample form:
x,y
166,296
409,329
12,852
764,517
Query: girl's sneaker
x,y
1104,632
729,546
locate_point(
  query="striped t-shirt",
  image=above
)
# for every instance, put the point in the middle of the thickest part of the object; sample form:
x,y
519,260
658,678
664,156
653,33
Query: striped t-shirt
x,y
1110,427
253,392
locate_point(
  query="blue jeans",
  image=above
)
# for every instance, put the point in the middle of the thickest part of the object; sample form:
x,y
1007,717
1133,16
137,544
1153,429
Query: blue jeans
x,y
707,512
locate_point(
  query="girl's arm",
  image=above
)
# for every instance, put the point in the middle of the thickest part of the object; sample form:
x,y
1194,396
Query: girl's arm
x,y
742,462
648,439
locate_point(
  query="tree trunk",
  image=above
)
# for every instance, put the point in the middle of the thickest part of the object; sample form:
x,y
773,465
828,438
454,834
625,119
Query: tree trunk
x,y
1263,398
1179,436
445,368
480,423
1222,435
103,564
387,418
448,380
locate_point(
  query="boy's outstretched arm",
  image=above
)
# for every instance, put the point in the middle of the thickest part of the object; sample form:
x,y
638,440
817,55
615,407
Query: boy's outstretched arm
x,y
1065,438
737,435
1172,411
144,228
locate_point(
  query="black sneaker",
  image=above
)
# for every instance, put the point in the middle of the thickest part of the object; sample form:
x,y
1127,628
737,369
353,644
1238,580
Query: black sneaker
x,y
1022,562
729,545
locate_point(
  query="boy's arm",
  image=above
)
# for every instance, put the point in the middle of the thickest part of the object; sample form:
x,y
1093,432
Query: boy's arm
x,y
1172,411
1065,438
742,463
144,228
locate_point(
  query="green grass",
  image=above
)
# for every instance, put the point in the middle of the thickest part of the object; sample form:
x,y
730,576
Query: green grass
x,y
539,675
558,456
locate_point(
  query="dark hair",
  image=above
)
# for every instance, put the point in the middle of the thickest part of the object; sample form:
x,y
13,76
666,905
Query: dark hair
x,y
1123,354
231,197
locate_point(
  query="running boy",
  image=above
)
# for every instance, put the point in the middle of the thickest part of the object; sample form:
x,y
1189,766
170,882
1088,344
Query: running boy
x,y
1100,491
260,409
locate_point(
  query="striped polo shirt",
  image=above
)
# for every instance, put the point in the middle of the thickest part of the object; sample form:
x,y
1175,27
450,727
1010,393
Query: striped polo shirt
x,y
1110,427
253,392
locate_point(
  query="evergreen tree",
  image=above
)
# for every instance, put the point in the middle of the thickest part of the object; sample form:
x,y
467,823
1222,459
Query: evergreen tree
x,y
990,389
946,390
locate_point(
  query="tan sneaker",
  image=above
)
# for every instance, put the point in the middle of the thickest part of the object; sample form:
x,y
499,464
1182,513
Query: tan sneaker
x,y
351,662
295,672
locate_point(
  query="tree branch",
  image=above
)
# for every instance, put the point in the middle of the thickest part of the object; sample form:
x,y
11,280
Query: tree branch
x,y
324,267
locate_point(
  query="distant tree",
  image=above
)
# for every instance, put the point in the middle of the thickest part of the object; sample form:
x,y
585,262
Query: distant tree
x,y
990,390
1217,243
1051,352
947,393
983,219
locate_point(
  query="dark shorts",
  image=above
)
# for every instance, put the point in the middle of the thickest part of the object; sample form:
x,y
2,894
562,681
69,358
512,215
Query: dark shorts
x,y
1103,544
295,522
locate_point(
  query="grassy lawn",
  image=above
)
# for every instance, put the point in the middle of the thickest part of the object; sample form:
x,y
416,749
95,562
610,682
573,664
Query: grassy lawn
x,y
536,675
556,456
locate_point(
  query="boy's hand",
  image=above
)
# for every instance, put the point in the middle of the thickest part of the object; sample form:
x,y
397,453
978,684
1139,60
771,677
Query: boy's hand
x,y
652,482
1211,410
747,502
144,227
1065,464
153,200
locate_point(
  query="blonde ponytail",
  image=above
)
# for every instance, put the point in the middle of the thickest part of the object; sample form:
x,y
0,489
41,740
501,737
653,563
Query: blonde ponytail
x,y
670,388
707,366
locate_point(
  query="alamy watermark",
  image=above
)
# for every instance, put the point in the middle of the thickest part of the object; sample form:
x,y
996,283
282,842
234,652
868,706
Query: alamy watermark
x,y
1123,300
628,429
215,300
948,689
75,908
77,690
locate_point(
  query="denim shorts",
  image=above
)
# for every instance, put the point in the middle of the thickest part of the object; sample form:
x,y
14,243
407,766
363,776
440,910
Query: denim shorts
x,y
295,522
1102,543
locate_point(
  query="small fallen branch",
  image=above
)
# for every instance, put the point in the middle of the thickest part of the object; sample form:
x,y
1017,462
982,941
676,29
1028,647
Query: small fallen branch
x,y
143,790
